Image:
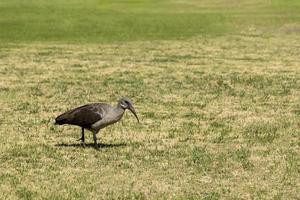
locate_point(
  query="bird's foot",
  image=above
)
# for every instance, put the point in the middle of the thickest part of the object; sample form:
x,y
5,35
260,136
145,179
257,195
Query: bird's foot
x,y
83,144
97,147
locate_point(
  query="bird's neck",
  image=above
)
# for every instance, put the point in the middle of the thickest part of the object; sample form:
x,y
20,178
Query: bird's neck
x,y
119,111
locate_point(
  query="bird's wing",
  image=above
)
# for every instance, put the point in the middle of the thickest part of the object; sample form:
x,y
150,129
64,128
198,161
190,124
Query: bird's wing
x,y
83,116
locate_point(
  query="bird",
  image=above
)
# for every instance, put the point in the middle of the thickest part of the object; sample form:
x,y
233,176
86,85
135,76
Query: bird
x,y
95,116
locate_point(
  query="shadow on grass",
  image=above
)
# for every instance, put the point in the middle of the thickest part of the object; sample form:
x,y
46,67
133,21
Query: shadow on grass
x,y
91,145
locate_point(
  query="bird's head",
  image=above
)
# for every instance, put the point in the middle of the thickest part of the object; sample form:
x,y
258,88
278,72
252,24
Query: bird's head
x,y
125,103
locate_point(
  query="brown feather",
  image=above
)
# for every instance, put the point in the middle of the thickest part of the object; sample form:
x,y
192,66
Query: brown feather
x,y
83,116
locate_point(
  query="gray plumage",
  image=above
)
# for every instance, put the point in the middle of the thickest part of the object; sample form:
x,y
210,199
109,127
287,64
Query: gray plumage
x,y
95,116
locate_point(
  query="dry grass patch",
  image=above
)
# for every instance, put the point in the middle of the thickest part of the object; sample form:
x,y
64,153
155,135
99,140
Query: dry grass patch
x,y
220,119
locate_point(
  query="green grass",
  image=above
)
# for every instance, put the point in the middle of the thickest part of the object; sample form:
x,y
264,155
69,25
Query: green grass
x,y
215,84
218,120
96,21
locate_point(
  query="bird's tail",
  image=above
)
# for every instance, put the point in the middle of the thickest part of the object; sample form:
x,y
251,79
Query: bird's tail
x,y
61,119
59,122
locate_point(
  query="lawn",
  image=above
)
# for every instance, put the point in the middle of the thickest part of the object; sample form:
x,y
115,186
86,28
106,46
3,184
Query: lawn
x,y
94,21
216,86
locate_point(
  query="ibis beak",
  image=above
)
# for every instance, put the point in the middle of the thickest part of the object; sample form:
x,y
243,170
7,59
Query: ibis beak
x,y
134,113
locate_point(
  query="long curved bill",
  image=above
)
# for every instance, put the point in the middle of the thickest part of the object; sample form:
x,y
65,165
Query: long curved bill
x,y
134,113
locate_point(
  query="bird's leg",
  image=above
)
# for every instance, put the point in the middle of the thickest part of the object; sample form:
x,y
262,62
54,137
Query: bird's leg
x,y
95,140
82,137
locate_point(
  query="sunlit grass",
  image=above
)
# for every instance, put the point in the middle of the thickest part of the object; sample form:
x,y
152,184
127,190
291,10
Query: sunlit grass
x,y
94,21
218,120
215,85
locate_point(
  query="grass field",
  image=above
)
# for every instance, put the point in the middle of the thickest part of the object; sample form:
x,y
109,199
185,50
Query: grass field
x,y
94,21
216,85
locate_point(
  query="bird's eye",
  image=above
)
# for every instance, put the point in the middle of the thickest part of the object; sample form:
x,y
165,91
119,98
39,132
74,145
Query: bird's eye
x,y
123,103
